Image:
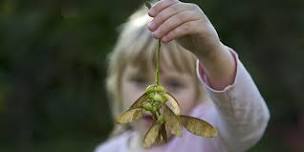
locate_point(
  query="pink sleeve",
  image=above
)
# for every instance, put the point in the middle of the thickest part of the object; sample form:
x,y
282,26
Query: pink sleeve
x,y
241,113
203,77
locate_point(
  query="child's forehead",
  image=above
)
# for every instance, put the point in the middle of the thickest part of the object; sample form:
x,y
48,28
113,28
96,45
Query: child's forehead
x,y
149,69
172,58
138,69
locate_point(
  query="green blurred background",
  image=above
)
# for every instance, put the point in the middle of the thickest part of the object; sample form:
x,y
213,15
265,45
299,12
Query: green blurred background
x,y
53,65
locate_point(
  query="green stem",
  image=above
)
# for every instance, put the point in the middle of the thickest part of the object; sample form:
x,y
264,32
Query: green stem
x,y
157,71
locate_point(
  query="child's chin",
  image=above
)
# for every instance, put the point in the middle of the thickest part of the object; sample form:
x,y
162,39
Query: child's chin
x,y
143,125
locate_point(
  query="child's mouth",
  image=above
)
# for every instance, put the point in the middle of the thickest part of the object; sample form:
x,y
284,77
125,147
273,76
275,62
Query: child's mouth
x,y
148,119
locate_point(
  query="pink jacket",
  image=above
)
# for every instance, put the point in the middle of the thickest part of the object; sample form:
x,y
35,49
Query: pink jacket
x,y
238,112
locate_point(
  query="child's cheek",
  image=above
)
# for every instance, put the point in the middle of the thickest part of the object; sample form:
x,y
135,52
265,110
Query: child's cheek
x,y
130,94
187,100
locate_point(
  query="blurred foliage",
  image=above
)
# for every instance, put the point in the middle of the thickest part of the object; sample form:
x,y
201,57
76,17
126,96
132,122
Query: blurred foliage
x,y
53,65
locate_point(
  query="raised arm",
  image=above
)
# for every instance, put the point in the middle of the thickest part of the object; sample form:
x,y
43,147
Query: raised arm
x,y
242,114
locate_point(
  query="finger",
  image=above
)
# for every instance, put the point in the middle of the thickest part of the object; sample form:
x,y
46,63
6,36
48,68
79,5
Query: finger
x,y
180,31
159,6
167,13
173,22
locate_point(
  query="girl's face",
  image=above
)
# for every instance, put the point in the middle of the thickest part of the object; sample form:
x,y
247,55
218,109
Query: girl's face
x,y
181,85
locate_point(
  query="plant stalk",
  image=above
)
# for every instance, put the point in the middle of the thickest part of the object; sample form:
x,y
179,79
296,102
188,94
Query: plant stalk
x,y
157,68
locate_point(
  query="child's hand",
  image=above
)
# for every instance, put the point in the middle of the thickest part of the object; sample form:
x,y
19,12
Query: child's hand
x,y
185,22
189,25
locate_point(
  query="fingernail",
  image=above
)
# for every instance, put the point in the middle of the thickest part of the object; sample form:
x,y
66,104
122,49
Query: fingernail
x,y
165,39
151,13
151,25
154,34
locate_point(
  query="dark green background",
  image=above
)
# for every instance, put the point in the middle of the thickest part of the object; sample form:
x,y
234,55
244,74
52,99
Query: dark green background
x,y
53,65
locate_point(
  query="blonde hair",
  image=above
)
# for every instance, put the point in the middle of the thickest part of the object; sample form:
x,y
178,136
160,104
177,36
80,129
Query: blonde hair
x,y
136,46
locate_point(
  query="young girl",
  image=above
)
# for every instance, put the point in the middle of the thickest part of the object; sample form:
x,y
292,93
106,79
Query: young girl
x,y
206,77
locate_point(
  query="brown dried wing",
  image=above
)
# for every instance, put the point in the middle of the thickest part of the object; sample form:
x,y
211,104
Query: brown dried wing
x,y
173,104
198,127
139,102
130,115
152,135
172,121
162,136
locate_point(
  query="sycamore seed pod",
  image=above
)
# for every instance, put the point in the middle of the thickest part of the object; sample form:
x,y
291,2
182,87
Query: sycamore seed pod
x,y
165,112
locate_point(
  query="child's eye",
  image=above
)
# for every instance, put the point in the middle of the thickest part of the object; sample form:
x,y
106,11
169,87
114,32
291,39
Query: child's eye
x,y
140,82
174,85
